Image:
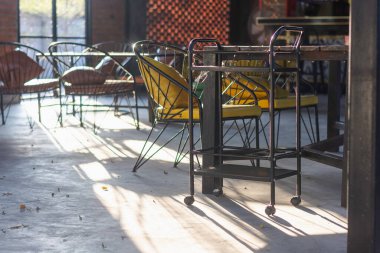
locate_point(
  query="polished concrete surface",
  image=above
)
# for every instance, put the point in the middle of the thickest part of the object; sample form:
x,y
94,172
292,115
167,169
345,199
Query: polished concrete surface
x,y
66,189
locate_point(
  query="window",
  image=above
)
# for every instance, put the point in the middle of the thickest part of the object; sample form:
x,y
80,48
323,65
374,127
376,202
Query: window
x,y
44,21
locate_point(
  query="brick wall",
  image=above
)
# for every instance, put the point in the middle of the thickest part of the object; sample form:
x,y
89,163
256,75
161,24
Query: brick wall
x,y
178,21
108,20
8,20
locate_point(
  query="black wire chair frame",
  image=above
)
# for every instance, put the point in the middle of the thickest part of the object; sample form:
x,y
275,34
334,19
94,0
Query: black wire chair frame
x,y
118,82
309,101
26,70
164,107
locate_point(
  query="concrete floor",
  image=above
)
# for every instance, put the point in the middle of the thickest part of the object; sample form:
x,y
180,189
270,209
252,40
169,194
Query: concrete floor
x,y
80,195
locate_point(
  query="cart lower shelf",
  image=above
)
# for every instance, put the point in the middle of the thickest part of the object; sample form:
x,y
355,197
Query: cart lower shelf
x,y
245,172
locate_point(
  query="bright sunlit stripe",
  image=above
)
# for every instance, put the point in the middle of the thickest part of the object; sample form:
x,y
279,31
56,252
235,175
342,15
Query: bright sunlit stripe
x,y
94,171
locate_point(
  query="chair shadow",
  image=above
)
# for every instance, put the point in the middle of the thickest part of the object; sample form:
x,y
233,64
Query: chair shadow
x,y
310,211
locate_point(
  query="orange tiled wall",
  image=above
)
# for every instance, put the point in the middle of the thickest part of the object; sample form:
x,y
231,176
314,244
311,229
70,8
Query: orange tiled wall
x,y
178,21
8,20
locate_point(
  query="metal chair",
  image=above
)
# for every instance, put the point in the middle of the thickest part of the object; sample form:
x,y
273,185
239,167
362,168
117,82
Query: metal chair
x,y
129,63
90,73
163,68
25,70
284,99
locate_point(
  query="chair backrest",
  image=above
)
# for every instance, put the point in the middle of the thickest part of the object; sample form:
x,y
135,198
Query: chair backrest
x,y
256,81
161,67
20,64
129,63
85,65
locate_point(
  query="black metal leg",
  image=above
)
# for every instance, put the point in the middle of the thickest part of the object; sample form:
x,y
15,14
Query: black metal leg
x,y
142,159
39,106
316,122
278,128
2,108
115,101
80,111
60,117
257,139
181,147
137,111
73,101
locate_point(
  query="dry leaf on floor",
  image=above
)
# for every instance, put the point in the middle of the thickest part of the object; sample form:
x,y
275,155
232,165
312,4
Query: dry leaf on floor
x,y
22,206
19,226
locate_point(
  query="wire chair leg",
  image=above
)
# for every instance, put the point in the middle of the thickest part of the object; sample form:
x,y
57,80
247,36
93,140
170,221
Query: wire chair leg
x,y
180,148
60,116
257,139
278,128
137,111
115,102
80,111
135,120
316,122
142,159
39,106
2,108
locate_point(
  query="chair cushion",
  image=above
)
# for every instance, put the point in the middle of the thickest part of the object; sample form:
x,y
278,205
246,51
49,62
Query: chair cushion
x,y
83,75
16,68
290,102
233,89
229,112
106,66
33,86
108,87
164,92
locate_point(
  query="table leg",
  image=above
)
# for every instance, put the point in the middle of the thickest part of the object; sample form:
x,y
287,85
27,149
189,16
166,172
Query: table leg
x,y
210,127
334,94
333,107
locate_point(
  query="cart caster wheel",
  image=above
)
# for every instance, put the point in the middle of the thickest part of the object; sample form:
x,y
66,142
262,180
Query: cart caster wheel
x,y
296,200
270,210
217,192
189,200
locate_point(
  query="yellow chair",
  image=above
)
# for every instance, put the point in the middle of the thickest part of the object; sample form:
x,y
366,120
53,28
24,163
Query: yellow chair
x,y
161,66
284,100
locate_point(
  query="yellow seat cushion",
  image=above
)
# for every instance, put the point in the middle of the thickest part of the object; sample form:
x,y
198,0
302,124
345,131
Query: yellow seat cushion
x,y
163,91
290,102
229,112
237,91
247,63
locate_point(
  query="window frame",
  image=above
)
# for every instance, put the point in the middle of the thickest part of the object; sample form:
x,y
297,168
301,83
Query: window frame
x,y
54,37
